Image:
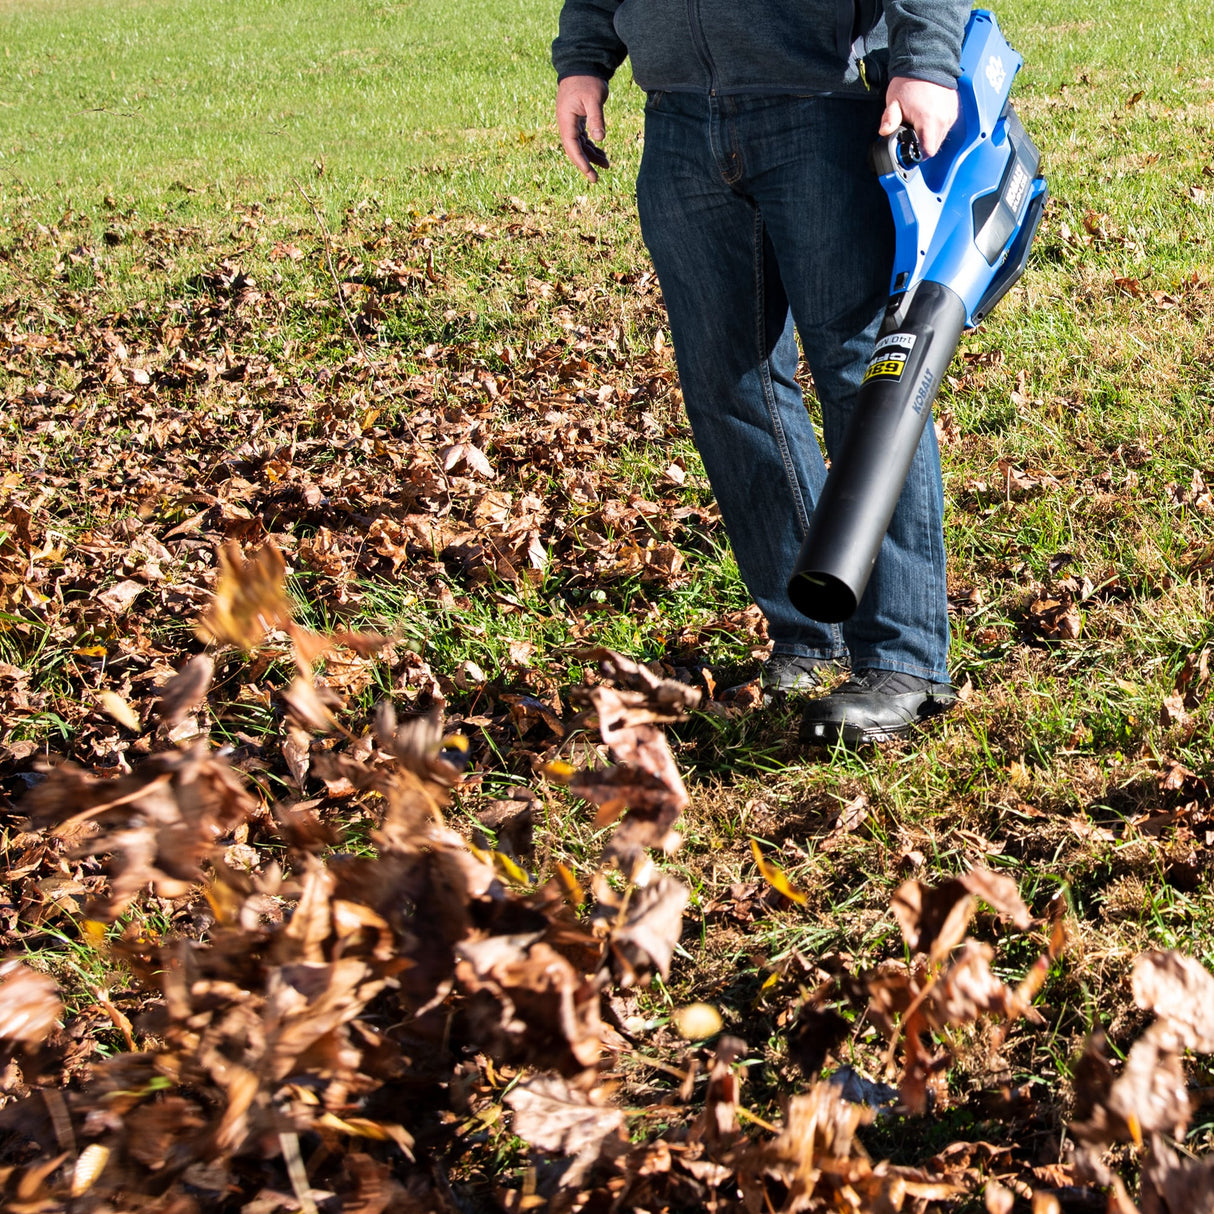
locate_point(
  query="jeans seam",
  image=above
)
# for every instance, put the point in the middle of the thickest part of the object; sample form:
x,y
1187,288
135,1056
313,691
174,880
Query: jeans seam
x,y
721,131
769,400
769,396
923,672
807,651
734,156
936,545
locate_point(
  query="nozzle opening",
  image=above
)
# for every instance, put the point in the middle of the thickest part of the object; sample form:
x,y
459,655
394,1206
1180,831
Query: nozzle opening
x,y
822,597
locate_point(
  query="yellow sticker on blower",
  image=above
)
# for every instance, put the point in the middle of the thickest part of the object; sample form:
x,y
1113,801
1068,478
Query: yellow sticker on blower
x,y
888,365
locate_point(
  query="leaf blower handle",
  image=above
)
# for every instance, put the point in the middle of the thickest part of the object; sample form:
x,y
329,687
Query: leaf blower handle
x,y
899,152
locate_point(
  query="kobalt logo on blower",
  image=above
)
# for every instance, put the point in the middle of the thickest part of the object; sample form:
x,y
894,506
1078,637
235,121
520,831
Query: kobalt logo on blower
x,y
1015,188
925,391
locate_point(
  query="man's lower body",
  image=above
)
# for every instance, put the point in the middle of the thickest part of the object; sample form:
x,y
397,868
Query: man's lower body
x,y
762,213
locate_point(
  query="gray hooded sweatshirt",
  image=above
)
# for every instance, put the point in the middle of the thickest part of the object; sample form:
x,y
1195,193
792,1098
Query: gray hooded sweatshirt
x,y
763,46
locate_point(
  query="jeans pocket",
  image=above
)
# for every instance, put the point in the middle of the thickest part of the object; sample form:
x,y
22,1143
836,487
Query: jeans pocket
x,y
654,99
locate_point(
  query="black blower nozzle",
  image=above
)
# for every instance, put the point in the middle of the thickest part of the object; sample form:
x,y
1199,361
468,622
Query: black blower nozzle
x,y
867,474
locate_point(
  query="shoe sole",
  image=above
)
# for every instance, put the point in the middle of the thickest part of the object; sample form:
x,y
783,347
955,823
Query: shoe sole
x,y
831,733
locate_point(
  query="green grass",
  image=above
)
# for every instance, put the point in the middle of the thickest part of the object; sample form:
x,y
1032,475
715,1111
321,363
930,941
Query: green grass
x,y
415,104
229,89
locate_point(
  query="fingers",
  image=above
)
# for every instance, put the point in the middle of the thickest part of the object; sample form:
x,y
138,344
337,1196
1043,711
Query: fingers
x,y
930,108
579,121
931,133
571,141
596,126
891,120
572,131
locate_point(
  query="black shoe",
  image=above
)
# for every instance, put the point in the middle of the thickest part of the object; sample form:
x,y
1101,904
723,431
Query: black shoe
x,y
791,674
874,706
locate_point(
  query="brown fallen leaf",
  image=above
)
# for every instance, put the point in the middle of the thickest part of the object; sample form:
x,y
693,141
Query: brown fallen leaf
x,y
933,920
119,598
1000,893
648,791
997,1199
1174,776
646,781
1149,1096
250,597
312,706
623,787
296,747
968,989
815,1033
511,822
853,814
665,700
1021,483
817,1163
560,1119
644,939
1193,679
186,690
30,1006
1172,1185
307,647
465,455
1180,991
115,706
717,1124
1173,712
524,1002
1055,619
365,644
157,824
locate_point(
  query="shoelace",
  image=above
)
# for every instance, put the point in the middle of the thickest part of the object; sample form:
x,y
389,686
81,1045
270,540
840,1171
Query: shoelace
x,y
789,661
889,682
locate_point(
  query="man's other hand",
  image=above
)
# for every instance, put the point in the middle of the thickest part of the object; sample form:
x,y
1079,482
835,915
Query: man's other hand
x,y
930,108
579,118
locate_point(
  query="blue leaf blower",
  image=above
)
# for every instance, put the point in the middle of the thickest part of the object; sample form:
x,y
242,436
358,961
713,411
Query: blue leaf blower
x,y
964,221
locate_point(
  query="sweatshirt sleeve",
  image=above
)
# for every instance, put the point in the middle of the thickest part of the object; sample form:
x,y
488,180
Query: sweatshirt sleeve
x,y
925,39
587,44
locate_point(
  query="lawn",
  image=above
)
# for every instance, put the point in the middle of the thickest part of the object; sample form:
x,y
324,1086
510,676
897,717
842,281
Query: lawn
x,y
315,278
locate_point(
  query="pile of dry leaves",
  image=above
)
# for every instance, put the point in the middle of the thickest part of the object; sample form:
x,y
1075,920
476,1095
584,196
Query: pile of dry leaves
x,y
322,1029
460,472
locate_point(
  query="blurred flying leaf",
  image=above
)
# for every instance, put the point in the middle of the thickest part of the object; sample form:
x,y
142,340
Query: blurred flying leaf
x,y
250,597
776,877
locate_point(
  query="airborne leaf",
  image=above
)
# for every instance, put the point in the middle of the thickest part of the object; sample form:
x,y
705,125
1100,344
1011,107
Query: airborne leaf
x,y
553,1116
775,876
250,597
29,1003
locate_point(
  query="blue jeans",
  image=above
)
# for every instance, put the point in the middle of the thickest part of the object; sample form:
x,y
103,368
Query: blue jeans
x,y
760,212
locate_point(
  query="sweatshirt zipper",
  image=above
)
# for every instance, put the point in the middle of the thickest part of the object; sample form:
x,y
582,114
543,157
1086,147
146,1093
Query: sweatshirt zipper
x,y
701,45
